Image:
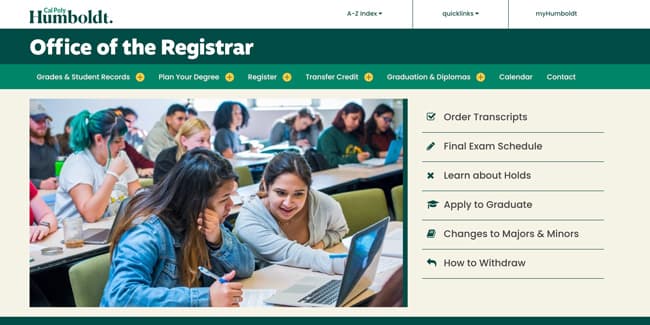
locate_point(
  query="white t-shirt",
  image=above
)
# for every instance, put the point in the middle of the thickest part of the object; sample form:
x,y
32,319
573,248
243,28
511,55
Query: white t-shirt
x,y
82,168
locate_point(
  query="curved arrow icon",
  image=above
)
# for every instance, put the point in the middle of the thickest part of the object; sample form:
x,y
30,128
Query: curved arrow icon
x,y
430,261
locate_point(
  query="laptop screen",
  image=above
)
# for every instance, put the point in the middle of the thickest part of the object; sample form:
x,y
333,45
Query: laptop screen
x,y
394,150
363,253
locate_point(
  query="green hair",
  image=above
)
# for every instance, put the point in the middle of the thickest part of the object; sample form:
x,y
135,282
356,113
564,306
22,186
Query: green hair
x,y
85,126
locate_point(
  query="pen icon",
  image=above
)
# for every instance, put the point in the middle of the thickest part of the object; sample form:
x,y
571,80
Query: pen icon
x,y
333,256
212,275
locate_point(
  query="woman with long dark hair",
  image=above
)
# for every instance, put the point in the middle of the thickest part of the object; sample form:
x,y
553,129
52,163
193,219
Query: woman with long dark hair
x,y
289,222
170,231
343,142
379,133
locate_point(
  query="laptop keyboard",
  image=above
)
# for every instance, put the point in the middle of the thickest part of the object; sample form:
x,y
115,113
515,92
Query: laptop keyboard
x,y
325,294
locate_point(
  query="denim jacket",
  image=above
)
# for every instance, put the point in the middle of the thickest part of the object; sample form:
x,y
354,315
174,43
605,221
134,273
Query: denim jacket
x,y
144,268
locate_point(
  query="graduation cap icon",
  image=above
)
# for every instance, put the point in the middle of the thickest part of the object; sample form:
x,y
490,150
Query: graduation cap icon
x,y
432,204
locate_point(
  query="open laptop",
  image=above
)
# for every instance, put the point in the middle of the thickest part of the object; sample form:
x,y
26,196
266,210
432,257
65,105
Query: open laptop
x,y
360,270
392,155
96,236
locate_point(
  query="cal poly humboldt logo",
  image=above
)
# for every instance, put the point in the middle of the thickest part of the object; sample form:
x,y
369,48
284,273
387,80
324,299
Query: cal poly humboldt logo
x,y
56,15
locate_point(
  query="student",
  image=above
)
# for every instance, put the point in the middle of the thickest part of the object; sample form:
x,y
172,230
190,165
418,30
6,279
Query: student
x,y
43,148
42,221
98,173
64,138
290,223
143,166
379,134
229,118
300,129
194,133
163,132
135,136
173,229
341,143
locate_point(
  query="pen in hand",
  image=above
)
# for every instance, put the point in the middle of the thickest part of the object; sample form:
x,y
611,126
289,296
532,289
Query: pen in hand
x,y
212,275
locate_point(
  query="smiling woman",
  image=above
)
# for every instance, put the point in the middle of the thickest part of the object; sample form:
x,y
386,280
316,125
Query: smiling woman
x,y
290,223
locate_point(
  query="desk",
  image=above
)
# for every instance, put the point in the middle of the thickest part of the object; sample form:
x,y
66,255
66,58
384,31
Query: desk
x,y
241,159
280,277
43,262
366,174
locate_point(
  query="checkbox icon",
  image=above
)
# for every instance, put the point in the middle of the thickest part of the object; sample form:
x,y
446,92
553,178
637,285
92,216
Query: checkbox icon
x,y
431,116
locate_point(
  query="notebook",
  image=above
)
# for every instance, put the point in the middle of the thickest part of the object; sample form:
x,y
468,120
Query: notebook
x,y
392,155
359,273
248,155
94,236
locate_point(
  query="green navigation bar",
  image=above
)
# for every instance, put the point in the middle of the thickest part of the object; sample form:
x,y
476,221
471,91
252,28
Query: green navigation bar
x,y
267,76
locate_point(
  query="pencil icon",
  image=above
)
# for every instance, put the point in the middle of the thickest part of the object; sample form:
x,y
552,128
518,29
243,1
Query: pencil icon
x,y
430,146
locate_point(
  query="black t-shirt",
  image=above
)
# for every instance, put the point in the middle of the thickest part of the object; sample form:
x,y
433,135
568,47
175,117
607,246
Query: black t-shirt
x,y
41,162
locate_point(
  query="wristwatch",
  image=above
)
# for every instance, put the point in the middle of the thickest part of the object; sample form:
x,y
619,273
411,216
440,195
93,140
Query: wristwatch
x,y
46,224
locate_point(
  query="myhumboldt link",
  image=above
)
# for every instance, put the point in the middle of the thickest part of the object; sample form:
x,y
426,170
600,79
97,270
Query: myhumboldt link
x,y
52,15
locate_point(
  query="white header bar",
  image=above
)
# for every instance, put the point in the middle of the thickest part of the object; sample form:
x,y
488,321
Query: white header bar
x,y
216,14
249,14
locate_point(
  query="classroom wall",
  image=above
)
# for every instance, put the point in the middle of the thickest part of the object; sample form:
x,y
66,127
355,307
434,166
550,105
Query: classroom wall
x,y
151,110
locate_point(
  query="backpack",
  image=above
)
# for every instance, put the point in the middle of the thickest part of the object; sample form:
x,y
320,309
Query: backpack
x,y
316,160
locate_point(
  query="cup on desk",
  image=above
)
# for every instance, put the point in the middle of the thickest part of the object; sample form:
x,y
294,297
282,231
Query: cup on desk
x,y
58,164
73,232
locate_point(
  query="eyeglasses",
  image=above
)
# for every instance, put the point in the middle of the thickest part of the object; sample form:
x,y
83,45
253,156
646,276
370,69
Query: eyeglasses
x,y
388,119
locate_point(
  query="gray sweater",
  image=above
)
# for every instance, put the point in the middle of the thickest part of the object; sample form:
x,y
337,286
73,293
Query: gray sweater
x,y
158,140
281,131
256,227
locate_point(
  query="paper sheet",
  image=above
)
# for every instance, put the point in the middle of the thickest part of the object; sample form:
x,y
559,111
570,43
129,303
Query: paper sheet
x,y
256,297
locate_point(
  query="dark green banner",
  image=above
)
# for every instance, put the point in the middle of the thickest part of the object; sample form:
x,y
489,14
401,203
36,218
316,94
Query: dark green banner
x,y
357,46
343,320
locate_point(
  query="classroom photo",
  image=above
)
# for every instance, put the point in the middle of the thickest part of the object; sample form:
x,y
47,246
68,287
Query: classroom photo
x,y
217,202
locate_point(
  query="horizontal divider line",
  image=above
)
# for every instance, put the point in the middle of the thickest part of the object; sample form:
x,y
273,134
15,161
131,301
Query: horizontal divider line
x,y
516,132
513,249
513,219
513,190
556,278
513,161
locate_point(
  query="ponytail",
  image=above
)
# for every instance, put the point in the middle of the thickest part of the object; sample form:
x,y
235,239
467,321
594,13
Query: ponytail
x,y
80,137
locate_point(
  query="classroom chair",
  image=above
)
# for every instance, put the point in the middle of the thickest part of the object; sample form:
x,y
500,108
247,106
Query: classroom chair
x,y
362,208
88,278
146,182
245,175
397,194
